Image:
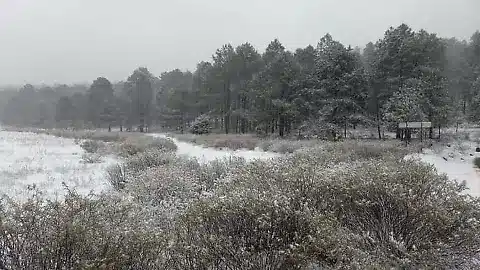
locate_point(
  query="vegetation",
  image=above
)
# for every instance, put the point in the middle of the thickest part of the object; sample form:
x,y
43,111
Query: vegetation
x,y
320,90
347,205
476,162
91,146
201,125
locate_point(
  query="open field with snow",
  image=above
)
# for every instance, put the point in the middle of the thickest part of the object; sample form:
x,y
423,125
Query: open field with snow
x,y
49,163
52,163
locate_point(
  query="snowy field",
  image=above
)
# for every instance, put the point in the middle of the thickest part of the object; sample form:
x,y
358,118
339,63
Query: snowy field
x,y
47,162
51,163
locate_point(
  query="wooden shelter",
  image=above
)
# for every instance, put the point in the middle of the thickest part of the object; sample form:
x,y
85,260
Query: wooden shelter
x,y
405,129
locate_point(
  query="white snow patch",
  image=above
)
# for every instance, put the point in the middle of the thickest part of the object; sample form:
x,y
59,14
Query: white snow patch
x,y
47,162
455,164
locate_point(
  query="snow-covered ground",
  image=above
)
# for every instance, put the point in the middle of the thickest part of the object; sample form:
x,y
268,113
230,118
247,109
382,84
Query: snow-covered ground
x,y
51,163
47,162
206,154
456,161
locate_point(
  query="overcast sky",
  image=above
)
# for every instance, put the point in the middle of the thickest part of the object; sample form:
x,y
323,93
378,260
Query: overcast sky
x,y
67,41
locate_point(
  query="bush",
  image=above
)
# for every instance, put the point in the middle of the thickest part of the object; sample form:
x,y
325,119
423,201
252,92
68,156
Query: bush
x,y
286,146
148,159
91,158
135,145
245,232
408,212
91,146
117,176
201,125
162,144
79,233
394,214
476,162
235,142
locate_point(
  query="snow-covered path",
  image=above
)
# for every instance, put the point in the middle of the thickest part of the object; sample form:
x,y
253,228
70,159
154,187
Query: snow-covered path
x,y
206,154
457,166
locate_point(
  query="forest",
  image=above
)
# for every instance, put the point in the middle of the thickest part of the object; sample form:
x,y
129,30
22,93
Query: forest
x,y
407,75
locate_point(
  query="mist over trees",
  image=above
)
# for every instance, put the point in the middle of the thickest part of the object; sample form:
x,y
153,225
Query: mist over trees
x,y
406,76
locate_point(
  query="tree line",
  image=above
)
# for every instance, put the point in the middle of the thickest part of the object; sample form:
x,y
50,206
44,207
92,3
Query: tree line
x,y
405,76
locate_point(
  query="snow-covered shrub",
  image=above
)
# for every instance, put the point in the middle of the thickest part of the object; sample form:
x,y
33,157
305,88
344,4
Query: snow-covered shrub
x,y
165,186
91,146
201,125
407,211
210,175
164,178
148,159
91,158
80,233
120,174
476,162
286,146
258,232
235,142
396,213
135,145
117,176
128,148
162,144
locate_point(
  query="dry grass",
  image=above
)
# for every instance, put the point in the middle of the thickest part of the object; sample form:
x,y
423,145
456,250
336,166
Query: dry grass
x,y
230,141
96,135
247,141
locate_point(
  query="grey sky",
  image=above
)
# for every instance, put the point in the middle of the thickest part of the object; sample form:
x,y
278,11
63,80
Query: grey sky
x,y
67,41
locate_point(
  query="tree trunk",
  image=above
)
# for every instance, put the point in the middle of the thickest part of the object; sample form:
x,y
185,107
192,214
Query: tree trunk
x,y
244,119
281,126
378,121
181,124
227,107
237,125
379,130
288,126
227,123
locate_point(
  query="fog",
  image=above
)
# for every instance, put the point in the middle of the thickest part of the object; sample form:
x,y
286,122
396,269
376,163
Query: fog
x,y
58,41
